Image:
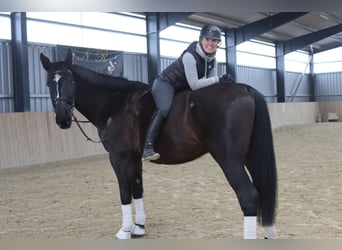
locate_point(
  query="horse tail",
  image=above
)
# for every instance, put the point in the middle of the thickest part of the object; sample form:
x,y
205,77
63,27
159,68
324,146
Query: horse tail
x,y
262,163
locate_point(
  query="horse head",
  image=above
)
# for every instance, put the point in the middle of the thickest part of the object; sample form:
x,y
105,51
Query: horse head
x,y
61,87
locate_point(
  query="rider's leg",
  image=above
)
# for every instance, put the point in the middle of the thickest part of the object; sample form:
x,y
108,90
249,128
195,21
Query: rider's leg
x,y
163,93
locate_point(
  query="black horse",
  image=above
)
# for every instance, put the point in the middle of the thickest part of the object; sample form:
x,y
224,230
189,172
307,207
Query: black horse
x,y
230,121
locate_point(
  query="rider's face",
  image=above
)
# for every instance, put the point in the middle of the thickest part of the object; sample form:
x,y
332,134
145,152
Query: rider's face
x,y
210,45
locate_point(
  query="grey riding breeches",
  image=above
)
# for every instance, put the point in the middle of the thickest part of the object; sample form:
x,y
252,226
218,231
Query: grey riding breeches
x,y
163,93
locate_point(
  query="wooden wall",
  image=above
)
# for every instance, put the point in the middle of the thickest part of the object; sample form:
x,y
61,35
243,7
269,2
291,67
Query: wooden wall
x,y
293,113
34,138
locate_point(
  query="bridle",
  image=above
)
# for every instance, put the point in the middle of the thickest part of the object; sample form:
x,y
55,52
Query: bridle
x,y
74,119
70,103
59,98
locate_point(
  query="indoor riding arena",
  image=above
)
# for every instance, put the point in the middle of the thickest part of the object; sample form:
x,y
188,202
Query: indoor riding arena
x,y
56,184
79,199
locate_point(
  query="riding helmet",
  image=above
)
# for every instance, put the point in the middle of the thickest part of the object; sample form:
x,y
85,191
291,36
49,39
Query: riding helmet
x,y
211,31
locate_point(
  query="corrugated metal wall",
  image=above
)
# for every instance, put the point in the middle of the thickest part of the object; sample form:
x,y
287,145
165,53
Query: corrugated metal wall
x,y
264,80
297,87
6,81
261,79
39,93
327,86
135,67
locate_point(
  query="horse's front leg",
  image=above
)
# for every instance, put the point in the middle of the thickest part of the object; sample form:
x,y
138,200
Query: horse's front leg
x,y
129,175
138,228
129,229
270,232
137,188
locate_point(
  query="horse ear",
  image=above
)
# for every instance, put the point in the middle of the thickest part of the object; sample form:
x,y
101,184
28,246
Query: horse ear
x,y
68,59
45,61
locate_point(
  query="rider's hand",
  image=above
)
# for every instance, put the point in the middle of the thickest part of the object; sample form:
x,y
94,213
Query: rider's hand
x,y
226,78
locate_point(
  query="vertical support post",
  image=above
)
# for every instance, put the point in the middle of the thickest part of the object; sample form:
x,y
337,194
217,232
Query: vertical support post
x,y
20,62
312,79
230,36
153,46
280,71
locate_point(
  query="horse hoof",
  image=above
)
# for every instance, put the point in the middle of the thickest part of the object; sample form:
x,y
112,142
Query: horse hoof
x,y
138,230
123,235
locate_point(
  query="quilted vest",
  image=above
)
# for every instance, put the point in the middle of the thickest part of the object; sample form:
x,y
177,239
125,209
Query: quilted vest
x,y
175,73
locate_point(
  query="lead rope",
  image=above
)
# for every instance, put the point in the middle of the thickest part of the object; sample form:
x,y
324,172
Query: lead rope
x,y
79,126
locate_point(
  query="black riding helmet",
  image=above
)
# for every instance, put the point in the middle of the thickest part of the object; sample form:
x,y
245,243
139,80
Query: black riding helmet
x,y
211,31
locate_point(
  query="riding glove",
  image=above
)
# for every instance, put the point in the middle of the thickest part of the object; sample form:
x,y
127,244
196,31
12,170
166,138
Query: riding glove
x,y
226,78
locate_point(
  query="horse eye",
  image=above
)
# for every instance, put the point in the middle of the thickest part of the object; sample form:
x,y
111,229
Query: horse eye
x,y
50,83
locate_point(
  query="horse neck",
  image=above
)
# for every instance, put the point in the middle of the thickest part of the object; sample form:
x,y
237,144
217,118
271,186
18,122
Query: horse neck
x,y
89,100
97,104
99,96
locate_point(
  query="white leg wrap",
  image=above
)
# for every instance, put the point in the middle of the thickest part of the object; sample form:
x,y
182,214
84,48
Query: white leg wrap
x,y
270,232
127,222
140,217
250,227
127,218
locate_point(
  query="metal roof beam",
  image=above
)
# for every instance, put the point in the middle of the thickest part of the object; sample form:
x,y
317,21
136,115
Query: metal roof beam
x,y
302,41
170,18
328,47
166,19
262,26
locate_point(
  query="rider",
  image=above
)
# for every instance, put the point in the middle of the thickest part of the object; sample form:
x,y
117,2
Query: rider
x,y
194,69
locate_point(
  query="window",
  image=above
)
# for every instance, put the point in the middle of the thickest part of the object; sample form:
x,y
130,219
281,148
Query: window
x,y
297,61
328,61
256,54
175,39
127,32
5,24
88,29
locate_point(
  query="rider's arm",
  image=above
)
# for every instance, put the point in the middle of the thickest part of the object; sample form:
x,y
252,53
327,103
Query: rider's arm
x,y
190,68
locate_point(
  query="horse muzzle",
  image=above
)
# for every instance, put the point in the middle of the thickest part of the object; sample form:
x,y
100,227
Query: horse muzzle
x,y
63,124
63,115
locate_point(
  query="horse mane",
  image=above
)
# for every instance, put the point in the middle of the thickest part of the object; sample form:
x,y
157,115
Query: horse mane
x,y
105,81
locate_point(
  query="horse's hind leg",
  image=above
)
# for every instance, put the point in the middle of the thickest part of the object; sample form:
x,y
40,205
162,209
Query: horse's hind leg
x,y
246,194
229,145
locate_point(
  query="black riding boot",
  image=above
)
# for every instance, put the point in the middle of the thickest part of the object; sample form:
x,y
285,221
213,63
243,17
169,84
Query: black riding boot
x,y
152,134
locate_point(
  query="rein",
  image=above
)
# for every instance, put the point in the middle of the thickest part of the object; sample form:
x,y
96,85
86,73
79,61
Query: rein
x,y
83,132
78,122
